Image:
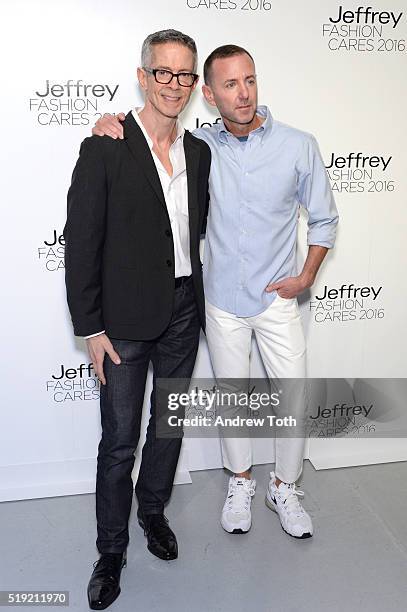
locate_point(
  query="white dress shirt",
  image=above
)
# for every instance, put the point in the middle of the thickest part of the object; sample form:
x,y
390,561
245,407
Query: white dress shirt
x,y
175,191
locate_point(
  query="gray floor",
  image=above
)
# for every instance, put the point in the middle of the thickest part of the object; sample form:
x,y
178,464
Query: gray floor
x,y
356,561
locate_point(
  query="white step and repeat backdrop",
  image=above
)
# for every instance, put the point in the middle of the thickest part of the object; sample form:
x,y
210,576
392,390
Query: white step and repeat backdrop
x,y
335,69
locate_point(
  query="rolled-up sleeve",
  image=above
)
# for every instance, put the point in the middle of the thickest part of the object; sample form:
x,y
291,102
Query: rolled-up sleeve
x,y
315,194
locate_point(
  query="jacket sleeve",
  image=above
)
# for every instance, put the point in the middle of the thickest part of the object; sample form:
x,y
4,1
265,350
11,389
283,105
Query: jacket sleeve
x,y
84,235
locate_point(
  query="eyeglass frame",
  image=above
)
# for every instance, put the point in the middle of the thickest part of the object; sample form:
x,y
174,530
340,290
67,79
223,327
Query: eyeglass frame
x,y
154,71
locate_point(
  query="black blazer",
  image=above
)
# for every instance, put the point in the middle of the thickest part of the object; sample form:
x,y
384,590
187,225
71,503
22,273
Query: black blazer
x,y
119,251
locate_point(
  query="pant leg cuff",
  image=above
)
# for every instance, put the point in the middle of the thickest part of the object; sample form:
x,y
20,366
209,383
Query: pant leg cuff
x,y
111,549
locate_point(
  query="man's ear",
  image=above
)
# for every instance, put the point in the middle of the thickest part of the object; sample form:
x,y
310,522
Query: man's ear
x,y
195,84
208,95
141,75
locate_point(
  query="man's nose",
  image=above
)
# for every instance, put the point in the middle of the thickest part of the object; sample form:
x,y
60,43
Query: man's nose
x,y
243,91
174,83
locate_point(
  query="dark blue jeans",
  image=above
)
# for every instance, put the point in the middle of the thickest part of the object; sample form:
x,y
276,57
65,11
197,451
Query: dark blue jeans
x,y
173,356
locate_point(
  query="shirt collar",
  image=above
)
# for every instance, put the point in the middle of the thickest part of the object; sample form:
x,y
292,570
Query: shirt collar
x,y
263,111
180,128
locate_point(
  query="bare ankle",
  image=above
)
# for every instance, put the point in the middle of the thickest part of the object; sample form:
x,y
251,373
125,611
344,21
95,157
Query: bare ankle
x,y
244,475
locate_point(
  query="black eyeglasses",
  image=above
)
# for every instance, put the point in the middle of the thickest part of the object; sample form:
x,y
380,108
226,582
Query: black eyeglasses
x,y
185,79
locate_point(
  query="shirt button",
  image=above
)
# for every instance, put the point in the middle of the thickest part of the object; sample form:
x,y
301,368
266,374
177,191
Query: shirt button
x,y
169,263
167,233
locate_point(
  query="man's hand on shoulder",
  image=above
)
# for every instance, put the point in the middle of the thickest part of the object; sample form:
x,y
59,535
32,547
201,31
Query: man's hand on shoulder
x,y
97,347
109,125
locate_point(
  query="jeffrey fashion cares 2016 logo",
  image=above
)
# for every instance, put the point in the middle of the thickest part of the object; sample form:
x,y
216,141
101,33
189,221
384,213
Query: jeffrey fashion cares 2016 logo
x,y
73,384
51,252
72,102
230,5
365,29
346,303
357,172
341,420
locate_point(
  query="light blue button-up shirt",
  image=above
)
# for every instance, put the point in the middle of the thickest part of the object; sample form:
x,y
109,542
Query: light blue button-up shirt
x,y
256,188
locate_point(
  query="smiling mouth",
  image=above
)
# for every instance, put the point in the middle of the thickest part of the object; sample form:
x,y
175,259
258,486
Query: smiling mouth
x,y
171,98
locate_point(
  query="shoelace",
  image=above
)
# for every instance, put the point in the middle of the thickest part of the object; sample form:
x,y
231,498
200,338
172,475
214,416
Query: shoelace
x,y
109,562
239,495
290,499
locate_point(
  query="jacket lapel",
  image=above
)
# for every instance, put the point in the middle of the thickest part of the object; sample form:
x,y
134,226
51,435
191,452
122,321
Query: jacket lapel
x,y
140,150
192,155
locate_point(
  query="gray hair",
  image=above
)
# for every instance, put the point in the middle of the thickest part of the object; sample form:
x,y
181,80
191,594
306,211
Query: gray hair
x,y
166,36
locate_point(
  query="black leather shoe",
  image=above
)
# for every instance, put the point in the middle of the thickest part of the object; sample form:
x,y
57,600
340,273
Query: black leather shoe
x,y
161,540
104,584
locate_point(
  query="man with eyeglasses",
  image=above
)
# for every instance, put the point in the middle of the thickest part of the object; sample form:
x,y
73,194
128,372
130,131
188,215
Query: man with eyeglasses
x,y
136,208
261,172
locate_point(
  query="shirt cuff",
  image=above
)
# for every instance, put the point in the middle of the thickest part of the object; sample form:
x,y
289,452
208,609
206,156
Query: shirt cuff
x,y
93,335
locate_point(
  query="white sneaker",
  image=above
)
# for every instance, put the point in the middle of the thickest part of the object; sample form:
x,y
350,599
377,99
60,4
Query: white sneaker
x,y
284,500
236,515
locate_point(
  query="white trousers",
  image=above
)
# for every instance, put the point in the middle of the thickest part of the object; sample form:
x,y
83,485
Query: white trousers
x,y
280,338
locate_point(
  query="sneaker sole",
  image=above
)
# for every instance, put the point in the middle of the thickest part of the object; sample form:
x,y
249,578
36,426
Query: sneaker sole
x,y
272,507
237,530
